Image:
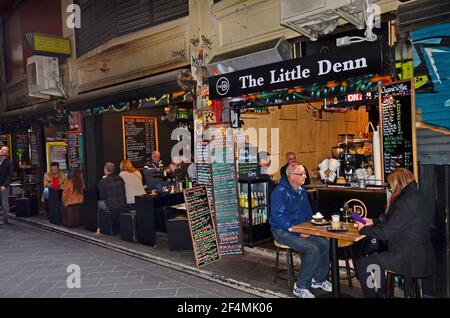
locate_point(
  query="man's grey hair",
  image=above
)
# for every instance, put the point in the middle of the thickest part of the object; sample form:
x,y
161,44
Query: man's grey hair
x,y
292,168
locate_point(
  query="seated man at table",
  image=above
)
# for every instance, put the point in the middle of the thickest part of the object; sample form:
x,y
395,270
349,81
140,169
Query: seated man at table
x,y
112,192
290,206
291,159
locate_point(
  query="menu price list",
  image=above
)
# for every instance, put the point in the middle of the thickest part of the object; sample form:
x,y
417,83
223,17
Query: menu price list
x,y
226,208
202,226
74,149
139,138
34,149
397,126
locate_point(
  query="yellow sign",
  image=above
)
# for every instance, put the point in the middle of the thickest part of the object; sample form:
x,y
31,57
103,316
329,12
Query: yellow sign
x,y
51,44
57,152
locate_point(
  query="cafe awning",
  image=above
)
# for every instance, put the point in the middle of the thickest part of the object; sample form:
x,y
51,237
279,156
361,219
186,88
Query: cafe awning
x,y
149,86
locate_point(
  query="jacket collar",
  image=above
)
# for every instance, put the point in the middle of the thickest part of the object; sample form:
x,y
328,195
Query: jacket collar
x,y
285,183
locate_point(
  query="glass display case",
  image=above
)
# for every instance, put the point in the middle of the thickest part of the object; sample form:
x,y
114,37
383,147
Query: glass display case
x,y
254,205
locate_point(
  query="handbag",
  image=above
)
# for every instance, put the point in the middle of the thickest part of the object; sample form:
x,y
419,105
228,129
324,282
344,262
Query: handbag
x,y
372,245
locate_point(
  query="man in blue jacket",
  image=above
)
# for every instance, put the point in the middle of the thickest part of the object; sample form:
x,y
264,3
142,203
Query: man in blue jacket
x,y
290,206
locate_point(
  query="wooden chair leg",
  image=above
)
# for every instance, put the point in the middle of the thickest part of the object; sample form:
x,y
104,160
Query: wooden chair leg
x,y
390,285
277,259
347,267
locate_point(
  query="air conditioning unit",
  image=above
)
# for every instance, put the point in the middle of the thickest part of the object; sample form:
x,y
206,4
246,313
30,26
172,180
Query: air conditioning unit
x,y
43,76
315,17
264,53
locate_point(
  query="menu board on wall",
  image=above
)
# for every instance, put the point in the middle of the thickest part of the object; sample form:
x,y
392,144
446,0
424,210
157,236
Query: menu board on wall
x,y
201,224
140,138
23,148
397,118
74,148
34,148
57,152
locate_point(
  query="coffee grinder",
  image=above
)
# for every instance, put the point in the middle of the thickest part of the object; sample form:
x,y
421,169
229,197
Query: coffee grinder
x,y
348,159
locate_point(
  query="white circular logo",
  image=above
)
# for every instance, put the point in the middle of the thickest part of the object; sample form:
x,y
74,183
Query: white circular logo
x,y
222,86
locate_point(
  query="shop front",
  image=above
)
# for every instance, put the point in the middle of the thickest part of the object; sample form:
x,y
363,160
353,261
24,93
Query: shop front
x,y
130,122
337,113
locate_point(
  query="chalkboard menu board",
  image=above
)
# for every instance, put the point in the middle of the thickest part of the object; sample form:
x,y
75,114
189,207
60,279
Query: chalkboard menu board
x,y
201,224
34,148
140,138
226,207
23,148
397,119
248,162
74,148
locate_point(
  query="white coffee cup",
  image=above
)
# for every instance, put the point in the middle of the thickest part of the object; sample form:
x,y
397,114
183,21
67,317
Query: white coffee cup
x,y
335,221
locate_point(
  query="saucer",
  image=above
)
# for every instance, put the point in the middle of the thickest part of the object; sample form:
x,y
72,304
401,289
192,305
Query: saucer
x,y
323,222
341,229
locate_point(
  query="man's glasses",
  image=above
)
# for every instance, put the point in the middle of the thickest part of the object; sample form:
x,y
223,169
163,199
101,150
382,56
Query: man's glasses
x,y
299,174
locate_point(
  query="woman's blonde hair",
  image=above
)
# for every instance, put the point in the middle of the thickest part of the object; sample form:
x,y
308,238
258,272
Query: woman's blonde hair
x,y
400,178
126,165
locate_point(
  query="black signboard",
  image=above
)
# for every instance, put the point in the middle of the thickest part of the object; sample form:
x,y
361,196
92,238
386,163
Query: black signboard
x,y
34,147
140,138
226,208
359,59
248,162
74,148
201,224
397,119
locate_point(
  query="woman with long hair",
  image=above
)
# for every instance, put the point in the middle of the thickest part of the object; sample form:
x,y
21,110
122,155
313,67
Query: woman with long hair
x,y
133,180
73,188
406,228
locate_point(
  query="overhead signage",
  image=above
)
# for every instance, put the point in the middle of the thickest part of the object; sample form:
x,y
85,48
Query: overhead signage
x,y
48,45
337,64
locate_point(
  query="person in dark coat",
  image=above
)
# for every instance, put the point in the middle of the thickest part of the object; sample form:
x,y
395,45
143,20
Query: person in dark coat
x,y
407,231
6,173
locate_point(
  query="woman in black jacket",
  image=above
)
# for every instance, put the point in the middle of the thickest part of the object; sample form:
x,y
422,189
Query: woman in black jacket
x,y
407,232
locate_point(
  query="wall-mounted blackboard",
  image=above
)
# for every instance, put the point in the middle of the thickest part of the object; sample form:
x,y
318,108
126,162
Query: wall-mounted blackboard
x,y
201,224
398,134
34,148
73,137
140,138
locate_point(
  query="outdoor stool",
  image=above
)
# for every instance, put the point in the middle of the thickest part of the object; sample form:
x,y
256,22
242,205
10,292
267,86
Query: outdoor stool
x,y
128,226
72,215
416,286
108,222
290,275
179,234
347,251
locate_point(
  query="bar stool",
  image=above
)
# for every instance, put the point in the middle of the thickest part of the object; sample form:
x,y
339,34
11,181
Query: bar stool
x,y
290,270
347,252
416,286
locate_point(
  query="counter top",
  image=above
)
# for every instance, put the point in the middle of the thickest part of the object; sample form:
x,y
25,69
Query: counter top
x,y
347,188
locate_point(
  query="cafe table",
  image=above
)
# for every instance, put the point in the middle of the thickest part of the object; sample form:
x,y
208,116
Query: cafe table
x,y
352,234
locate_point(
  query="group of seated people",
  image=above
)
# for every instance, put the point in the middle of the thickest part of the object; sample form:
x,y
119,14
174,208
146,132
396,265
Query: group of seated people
x,y
403,227
120,189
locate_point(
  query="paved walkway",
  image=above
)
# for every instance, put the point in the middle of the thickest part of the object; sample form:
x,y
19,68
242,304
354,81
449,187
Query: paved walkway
x,y
33,263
